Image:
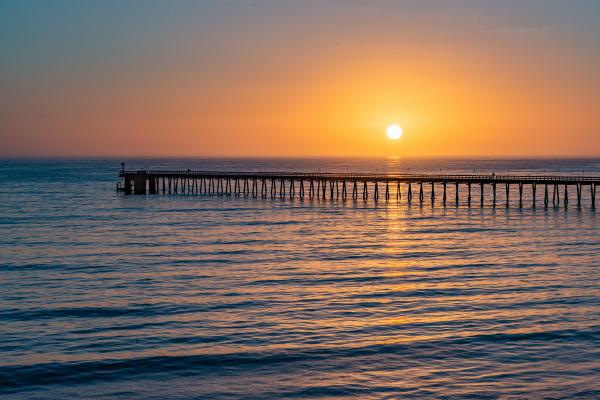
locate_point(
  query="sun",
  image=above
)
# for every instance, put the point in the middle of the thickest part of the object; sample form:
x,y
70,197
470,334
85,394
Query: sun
x,y
394,132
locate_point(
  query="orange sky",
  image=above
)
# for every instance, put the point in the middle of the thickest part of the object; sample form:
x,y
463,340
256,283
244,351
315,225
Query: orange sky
x,y
301,79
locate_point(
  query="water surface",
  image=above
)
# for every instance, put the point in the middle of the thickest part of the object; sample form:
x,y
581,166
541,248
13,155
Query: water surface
x,y
111,297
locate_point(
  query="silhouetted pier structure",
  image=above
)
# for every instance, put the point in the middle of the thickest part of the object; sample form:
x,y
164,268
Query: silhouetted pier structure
x,y
411,188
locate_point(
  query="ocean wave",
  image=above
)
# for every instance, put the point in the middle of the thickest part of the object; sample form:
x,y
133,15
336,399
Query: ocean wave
x,y
14,377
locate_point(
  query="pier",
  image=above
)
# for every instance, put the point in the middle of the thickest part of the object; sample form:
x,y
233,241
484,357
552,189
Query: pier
x,y
495,190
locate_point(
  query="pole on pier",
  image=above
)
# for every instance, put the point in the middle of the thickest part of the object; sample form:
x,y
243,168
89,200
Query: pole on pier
x,y
376,193
387,190
281,188
520,194
578,195
444,195
566,199
421,192
292,188
546,195
469,194
354,191
409,193
365,191
301,189
507,194
152,185
593,192
432,194
533,194
494,189
398,193
344,194
456,194
481,199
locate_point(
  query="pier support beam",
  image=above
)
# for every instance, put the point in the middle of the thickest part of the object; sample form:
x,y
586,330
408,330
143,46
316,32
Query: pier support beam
x,y
387,191
456,194
481,198
152,185
520,195
469,194
444,194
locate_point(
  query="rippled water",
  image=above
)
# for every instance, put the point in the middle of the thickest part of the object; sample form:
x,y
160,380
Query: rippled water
x,y
106,296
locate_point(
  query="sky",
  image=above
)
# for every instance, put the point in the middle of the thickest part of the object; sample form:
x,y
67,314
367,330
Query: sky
x,y
299,78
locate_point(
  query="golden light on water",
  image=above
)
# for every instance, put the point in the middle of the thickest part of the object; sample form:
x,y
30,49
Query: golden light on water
x,y
394,132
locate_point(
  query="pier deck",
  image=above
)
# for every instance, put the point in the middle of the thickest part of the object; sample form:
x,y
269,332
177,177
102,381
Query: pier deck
x,y
329,185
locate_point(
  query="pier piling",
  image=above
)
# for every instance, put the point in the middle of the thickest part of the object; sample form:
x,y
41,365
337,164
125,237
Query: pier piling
x,y
322,186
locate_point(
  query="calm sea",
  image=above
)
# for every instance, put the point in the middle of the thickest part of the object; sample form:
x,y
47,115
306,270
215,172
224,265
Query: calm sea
x,y
104,296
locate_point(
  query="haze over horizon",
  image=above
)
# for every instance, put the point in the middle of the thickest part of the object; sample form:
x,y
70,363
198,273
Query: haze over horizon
x,y
285,78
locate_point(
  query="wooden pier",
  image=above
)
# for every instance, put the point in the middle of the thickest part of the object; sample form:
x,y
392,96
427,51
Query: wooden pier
x,y
549,191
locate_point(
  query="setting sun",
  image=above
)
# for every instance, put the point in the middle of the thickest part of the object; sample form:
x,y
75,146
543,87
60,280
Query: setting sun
x,y
394,132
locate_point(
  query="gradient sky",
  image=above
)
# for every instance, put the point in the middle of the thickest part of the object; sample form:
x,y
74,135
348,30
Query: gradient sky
x,y
299,78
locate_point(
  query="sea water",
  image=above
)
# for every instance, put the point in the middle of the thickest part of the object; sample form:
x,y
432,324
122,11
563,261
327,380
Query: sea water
x,y
106,296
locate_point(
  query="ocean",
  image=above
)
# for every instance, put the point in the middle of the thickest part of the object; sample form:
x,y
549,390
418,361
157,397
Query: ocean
x,y
106,296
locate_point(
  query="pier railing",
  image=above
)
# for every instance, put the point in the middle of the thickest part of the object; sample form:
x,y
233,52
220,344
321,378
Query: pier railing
x,y
323,185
